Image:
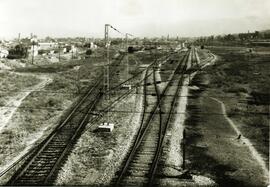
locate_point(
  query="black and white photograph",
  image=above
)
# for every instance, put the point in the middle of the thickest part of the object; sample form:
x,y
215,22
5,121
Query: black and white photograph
x,y
135,93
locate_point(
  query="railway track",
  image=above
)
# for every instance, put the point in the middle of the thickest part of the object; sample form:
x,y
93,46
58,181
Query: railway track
x,y
41,167
41,164
141,164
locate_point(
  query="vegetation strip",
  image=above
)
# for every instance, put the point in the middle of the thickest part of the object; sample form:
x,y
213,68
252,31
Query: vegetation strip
x,y
252,149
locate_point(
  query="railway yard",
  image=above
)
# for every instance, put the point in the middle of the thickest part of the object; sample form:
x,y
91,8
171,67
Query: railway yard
x,y
174,122
134,93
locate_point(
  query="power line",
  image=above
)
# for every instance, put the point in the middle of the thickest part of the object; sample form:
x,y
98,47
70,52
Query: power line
x,y
116,30
134,111
81,93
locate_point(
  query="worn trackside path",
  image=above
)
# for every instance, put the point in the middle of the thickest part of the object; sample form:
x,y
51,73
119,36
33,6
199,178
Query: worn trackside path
x,y
246,141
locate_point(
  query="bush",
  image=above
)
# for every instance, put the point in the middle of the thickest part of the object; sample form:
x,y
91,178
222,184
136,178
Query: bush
x,y
53,102
237,89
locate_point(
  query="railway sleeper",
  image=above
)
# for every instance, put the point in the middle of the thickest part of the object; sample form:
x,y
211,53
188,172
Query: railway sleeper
x,y
139,180
140,164
32,178
58,143
27,183
39,166
135,168
36,173
144,156
138,173
149,147
45,158
147,152
52,152
53,149
58,146
42,164
145,159
36,169
61,139
47,162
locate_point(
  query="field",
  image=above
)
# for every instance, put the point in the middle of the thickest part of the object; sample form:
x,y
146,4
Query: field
x,y
244,79
239,80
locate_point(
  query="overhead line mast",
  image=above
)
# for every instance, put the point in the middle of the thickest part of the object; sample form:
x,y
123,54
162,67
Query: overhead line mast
x,y
106,69
127,34
106,66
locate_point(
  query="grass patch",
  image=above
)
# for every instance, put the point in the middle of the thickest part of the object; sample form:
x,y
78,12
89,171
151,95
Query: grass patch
x,y
11,83
244,77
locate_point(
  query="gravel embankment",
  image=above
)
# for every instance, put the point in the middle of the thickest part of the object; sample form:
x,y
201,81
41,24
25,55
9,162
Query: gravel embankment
x,y
172,153
98,155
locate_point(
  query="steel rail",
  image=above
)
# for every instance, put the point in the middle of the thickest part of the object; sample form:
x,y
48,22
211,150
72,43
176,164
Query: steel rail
x,y
35,151
143,131
162,134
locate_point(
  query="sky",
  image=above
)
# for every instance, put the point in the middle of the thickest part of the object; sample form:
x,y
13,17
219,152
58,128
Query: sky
x,y
142,18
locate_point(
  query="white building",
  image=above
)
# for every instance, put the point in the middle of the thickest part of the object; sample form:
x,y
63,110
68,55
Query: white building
x,y
3,53
47,45
93,46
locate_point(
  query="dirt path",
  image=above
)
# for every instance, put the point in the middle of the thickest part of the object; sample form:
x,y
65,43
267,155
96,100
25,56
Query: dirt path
x,y
11,106
7,112
246,141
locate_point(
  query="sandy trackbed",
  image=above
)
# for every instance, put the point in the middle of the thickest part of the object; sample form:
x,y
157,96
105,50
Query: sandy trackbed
x,y
99,155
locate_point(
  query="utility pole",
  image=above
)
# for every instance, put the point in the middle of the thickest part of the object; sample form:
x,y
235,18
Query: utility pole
x,y
19,37
127,55
59,52
106,72
183,149
72,52
33,44
106,66
32,52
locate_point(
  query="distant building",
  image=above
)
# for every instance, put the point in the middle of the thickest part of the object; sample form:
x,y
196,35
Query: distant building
x,y
3,53
47,45
69,49
183,45
17,52
93,46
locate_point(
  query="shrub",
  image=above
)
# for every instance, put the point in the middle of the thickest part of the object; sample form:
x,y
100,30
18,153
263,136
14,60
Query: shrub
x,y
237,89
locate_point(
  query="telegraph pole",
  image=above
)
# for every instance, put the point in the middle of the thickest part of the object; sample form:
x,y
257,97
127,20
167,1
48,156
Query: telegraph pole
x,y
19,37
33,44
59,52
183,149
106,72
127,55
32,52
106,66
